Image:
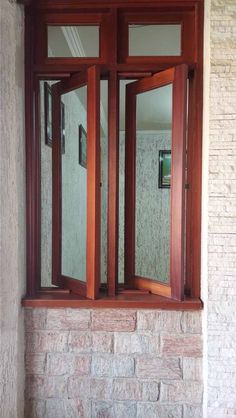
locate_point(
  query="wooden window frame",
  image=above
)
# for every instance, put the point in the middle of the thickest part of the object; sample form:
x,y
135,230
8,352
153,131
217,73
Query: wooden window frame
x,y
177,76
114,64
186,20
70,19
90,287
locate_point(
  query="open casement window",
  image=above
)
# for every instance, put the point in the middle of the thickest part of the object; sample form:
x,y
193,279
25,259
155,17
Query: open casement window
x,y
114,153
155,214
76,185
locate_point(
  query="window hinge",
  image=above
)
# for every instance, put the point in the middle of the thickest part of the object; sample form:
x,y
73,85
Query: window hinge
x,y
187,186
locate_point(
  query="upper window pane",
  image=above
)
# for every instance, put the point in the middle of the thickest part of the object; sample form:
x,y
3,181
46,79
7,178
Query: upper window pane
x,y
73,41
154,40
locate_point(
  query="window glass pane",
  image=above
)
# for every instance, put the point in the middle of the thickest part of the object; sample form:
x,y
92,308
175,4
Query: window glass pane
x,y
104,179
153,177
46,181
154,40
123,84
74,184
73,41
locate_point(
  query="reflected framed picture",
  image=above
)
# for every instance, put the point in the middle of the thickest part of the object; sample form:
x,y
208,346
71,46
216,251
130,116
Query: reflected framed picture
x,y
48,118
82,146
164,169
48,114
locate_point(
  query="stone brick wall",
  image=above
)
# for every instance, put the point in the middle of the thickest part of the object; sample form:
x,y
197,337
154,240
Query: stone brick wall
x,y
113,363
222,212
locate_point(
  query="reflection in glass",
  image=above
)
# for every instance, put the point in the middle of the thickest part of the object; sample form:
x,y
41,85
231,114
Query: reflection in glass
x,y
74,188
123,84
152,210
73,41
46,180
104,177
151,40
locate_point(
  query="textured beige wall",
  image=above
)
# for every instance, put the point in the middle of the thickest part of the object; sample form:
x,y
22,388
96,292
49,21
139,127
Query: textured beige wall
x,y
221,323
12,210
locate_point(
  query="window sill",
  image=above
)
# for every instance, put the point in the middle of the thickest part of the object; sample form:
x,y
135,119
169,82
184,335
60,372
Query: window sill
x,y
65,299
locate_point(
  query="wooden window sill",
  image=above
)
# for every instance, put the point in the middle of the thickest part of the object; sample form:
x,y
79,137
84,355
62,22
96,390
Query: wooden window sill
x,y
65,299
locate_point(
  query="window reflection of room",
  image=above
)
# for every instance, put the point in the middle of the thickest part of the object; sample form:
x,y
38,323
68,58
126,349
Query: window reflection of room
x,y
73,41
154,40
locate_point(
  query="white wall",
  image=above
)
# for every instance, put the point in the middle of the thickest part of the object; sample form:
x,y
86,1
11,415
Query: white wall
x,y
74,190
153,238
12,210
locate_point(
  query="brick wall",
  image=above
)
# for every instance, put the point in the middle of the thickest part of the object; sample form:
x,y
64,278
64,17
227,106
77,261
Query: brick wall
x,y
222,212
113,363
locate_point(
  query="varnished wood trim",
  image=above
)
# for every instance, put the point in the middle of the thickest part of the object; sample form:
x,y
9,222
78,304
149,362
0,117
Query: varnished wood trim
x,y
178,164
113,184
93,265
141,301
76,286
75,4
153,286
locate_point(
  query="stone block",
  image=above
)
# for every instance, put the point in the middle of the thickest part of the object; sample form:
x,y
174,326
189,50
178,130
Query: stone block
x,y
102,342
123,366
155,410
44,341
127,389
80,342
35,319
159,321
82,365
114,320
68,408
68,319
35,409
43,387
79,387
67,363
58,363
191,322
150,391
101,389
194,412
113,366
177,346
151,367
35,363
192,368
102,410
221,412
181,391
136,343
101,365
125,409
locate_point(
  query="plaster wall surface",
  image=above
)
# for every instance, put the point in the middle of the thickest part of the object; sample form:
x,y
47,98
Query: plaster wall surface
x,y
12,210
221,322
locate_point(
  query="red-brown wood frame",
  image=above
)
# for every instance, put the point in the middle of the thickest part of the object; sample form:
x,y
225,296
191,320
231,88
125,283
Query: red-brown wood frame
x,y
71,19
176,76
38,66
90,288
186,20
